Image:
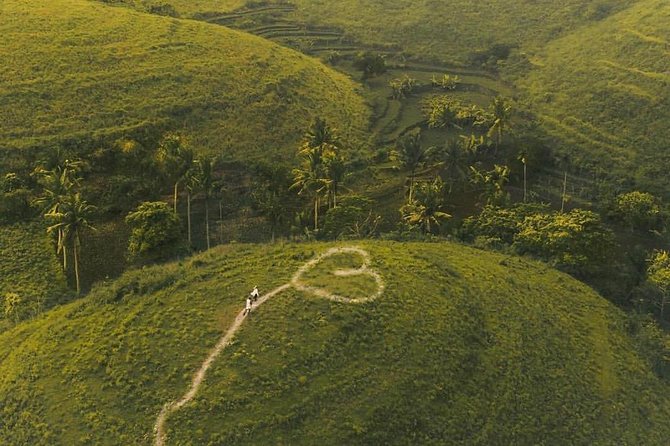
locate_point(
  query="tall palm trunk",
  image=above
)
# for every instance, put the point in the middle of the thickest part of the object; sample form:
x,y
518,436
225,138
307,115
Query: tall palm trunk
x,y
565,187
411,187
76,246
316,212
176,186
207,220
188,215
525,182
220,222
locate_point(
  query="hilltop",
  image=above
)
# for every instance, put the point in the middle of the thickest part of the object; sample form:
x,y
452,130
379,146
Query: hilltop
x,y
463,346
96,71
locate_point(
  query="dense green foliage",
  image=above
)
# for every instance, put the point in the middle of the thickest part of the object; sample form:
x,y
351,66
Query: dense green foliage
x,y
155,233
131,72
463,347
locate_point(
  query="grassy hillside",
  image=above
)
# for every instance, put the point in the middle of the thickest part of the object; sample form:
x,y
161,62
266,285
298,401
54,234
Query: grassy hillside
x,y
28,268
80,69
441,30
463,347
607,88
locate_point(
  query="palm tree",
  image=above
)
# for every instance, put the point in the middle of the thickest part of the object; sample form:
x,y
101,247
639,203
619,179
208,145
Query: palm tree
x,y
493,183
176,157
456,157
426,209
70,219
412,155
207,186
191,181
335,173
309,177
320,133
501,111
523,157
57,185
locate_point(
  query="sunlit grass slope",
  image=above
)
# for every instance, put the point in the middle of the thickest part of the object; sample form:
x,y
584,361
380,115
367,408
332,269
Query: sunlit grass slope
x,y
444,30
607,88
75,68
463,347
29,269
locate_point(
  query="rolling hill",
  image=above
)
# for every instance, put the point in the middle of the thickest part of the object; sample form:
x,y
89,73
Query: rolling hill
x,y
606,88
77,70
461,347
594,72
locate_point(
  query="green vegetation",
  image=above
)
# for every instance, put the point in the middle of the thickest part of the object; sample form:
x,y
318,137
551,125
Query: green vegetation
x,y
463,346
132,73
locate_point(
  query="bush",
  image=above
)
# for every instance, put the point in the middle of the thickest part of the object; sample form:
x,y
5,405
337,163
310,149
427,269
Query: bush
x,y
576,240
500,225
155,233
639,210
352,218
370,64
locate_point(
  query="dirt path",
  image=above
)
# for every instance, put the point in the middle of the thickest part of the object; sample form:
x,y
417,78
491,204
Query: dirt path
x,y
297,283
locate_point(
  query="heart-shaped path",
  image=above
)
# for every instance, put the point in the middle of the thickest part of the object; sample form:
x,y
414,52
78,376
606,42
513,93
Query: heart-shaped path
x,y
297,283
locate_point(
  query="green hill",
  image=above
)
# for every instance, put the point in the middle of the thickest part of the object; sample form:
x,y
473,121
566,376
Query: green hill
x,y
594,72
606,87
462,347
76,69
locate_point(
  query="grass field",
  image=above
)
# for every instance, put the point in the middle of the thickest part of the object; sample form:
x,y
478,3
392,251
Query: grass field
x,y
81,70
463,347
29,268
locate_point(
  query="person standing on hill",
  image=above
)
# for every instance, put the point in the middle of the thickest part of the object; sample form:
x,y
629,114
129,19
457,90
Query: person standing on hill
x,y
254,294
247,308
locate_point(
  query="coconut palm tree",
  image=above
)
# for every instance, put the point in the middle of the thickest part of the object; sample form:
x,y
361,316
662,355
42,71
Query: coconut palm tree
x,y
335,174
501,111
456,157
426,210
176,158
57,185
320,133
412,155
309,177
523,157
191,180
70,219
207,186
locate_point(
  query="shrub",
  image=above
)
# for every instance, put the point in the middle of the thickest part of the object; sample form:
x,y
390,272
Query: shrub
x,y
500,225
639,210
576,240
155,233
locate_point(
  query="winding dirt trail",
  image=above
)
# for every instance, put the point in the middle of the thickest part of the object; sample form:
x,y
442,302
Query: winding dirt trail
x,y
297,283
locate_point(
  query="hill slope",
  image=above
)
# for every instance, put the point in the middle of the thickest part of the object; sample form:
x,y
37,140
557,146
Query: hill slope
x,y
607,88
29,268
76,68
463,346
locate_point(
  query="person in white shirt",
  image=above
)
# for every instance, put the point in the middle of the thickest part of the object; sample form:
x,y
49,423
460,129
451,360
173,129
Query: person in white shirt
x,y
247,308
254,294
